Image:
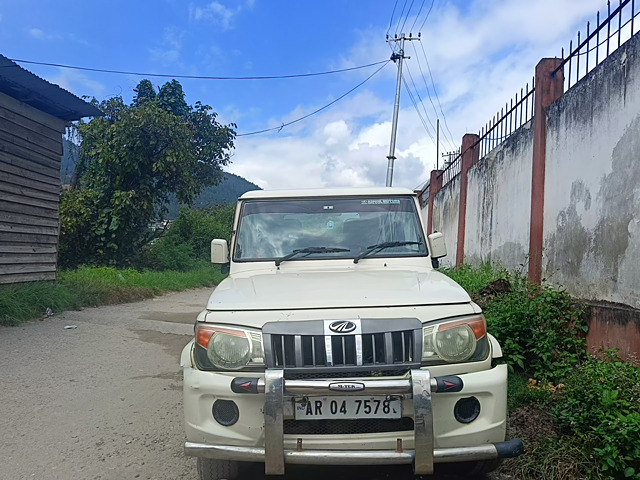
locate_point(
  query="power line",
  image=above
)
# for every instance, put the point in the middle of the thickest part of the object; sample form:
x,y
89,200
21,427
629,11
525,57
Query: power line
x,y
419,97
407,17
448,139
400,17
392,14
415,105
427,17
417,15
436,91
315,111
198,77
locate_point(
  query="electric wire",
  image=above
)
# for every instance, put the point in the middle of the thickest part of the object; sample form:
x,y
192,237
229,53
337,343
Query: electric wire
x,y
400,17
315,111
433,83
406,67
415,105
406,17
417,15
392,14
449,138
427,17
198,77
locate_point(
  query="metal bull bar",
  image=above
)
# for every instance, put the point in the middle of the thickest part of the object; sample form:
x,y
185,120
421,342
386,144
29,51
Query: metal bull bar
x,y
420,385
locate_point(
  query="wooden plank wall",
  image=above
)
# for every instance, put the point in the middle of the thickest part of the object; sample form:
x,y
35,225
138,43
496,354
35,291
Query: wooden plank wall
x,y
30,153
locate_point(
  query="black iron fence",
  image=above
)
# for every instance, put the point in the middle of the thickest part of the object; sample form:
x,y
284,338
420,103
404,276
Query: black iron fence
x,y
592,47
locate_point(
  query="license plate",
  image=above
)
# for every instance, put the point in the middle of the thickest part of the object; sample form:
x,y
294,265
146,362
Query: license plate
x,y
347,407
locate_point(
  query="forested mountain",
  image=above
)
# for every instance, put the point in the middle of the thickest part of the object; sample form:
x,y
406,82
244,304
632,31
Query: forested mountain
x,y
231,187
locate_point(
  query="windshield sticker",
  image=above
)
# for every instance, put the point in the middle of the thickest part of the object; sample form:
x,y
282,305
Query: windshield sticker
x,y
327,207
381,201
330,225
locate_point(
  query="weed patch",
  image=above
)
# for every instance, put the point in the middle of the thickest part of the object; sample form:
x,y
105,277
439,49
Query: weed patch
x,y
89,286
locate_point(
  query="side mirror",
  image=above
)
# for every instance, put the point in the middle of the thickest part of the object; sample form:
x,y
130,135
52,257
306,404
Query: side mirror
x,y
219,251
437,247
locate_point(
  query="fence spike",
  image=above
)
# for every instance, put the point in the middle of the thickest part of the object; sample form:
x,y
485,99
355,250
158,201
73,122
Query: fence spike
x,y
597,36
578,59
619,21
586,70
608,25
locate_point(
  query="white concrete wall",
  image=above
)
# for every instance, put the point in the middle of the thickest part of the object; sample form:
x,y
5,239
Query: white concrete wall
x,y
445,218
499,204
592,183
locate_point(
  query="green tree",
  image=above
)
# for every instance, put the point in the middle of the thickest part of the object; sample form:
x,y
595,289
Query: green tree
x,y
144,93
131,160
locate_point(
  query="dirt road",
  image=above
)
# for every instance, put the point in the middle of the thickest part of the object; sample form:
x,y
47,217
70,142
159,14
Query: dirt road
x,y
104,400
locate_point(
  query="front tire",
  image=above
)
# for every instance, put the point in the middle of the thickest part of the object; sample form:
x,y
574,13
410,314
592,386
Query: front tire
x,y
217,469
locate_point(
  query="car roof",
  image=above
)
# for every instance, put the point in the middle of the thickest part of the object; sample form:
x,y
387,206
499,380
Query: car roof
x,y
327,192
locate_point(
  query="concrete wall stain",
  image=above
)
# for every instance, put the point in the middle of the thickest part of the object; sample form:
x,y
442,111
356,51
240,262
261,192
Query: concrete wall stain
x,y
618,201
568,245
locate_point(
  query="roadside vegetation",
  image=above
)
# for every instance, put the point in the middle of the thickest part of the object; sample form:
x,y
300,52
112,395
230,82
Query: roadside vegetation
x,y
578,412
178,260
93,286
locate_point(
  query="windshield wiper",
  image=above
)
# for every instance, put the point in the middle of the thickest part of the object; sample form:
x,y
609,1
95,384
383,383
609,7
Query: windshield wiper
x,y
381,246
309,251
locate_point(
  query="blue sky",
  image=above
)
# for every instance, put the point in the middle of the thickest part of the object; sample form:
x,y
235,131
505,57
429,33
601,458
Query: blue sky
x,y
480,52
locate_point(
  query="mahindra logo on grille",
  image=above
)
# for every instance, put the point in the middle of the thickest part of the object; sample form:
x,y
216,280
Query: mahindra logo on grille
x,y
342,326
346,387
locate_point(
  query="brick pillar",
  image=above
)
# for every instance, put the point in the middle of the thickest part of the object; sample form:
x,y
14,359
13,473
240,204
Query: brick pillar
x,y
435,185
470,156
549,88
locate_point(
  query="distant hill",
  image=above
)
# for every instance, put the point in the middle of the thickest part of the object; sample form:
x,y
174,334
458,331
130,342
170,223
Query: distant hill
x,y
228,191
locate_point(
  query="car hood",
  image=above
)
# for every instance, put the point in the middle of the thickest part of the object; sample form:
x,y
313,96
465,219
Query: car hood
x,y
279,290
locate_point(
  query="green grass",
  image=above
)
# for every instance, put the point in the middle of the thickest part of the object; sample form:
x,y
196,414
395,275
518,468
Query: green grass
x,y
519,394
474,279
89,286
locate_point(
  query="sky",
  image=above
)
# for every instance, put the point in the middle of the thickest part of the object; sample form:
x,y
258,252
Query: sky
x,y
479,53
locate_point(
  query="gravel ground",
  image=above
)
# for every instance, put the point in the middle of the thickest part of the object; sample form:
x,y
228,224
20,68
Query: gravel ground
x,y
104,400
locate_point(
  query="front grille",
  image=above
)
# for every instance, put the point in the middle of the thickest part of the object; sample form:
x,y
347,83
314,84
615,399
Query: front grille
x,y
376,344
348,373
347,427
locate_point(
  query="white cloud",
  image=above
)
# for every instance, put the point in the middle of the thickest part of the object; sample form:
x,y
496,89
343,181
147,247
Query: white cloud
x,y
78,83
36,33
218,14
170,48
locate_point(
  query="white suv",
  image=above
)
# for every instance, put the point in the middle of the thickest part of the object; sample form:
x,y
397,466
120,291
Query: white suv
x,y
334,341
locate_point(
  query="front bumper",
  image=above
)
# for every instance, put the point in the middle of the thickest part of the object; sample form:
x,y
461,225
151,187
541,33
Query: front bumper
x,y
417,447
508,449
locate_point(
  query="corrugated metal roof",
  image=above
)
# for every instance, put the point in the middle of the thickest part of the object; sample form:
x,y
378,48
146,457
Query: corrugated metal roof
x,y
28,88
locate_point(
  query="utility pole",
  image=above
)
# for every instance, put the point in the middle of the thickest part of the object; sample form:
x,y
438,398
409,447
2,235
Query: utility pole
x,y
394,126
437,143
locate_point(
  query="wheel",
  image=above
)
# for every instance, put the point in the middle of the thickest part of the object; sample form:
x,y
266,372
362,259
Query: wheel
x,y
217,469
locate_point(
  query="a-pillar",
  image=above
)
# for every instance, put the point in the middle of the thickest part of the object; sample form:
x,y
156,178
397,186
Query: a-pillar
x,y
470,155
549,87
435,184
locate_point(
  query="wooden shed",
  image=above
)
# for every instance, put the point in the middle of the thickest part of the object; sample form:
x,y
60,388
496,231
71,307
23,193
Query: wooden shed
x,y
33,117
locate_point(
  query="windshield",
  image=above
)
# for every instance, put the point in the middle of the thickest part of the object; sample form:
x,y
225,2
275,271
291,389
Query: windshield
x,y
272,229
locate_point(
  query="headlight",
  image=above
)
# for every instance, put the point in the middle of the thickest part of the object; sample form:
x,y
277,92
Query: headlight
x,y
228,348
455,340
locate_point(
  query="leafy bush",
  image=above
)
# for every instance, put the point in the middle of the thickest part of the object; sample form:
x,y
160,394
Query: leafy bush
x,y
601,404
541,330
473,279
189,238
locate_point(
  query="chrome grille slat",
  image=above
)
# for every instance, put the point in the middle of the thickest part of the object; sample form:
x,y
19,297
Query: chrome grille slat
x,y
365,350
